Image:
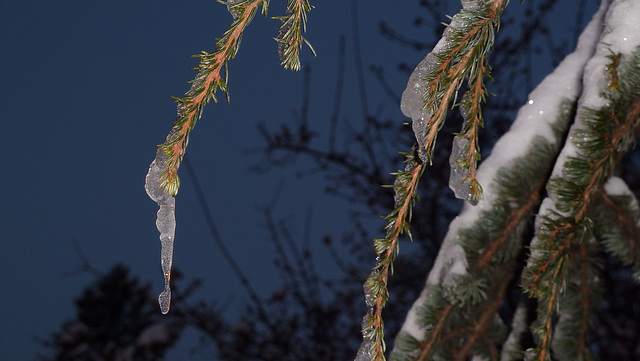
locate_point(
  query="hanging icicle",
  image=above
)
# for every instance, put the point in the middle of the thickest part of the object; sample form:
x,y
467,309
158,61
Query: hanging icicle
x,y
166,222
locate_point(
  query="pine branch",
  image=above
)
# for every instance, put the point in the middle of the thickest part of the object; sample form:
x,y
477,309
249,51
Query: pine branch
x,y
492,246
487,314
582,297
429,345
290,38
386,249
462,304
603,136
620,220
204,87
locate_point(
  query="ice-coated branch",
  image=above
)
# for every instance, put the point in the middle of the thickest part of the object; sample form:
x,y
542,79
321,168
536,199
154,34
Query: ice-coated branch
x,y
460,54
375,287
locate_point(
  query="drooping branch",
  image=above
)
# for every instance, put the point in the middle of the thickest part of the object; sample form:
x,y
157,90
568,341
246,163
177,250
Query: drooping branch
x,y
204,87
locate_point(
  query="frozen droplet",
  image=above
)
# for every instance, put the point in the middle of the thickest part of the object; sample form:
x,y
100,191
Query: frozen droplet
x,y
153,180
165,222
369,295
530,101
165,299
470,4
541,112
412,102
419,127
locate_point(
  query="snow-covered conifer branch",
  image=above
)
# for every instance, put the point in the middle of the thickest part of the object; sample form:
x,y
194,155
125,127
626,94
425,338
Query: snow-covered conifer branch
x,y
622,217
577,304
290,38
604,129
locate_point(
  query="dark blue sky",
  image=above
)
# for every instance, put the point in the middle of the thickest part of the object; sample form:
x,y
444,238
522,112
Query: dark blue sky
x,y
85,91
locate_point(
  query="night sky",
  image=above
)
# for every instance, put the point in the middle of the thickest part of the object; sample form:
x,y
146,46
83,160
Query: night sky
x,y
85,91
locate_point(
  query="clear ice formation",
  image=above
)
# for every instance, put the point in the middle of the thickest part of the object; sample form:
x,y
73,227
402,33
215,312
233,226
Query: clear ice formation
x,y
364,351
413,106
166,223
412,102
457,183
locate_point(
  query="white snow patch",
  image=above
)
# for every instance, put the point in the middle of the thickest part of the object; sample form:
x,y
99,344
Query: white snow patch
x,y
615,186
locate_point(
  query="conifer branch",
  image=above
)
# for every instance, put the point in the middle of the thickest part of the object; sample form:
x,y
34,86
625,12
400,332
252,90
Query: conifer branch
x,y
582,297
204,87
290,38
492,246
386,249
515,219
487,314
606,134
623,236
465,57
427,347
466,308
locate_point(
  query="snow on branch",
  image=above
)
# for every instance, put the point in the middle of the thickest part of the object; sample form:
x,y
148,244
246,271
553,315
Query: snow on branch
x,y
603,130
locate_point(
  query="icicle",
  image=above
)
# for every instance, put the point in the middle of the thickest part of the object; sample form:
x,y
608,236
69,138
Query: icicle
x,y
166,223
458,175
